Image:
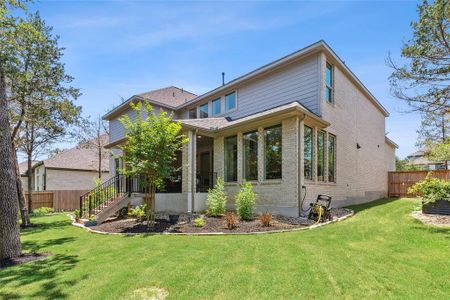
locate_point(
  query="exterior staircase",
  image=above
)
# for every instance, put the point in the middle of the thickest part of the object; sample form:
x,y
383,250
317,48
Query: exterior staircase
x,y
112,195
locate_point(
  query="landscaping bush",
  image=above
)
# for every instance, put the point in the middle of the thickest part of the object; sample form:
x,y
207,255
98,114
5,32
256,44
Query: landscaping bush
x,y
245,200
77,215
199,222
42,211
231,219
431,189
265,219
216,199
138,212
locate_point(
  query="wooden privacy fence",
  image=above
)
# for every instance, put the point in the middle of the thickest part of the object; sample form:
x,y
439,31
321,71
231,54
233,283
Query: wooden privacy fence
x,y
400,181
59,200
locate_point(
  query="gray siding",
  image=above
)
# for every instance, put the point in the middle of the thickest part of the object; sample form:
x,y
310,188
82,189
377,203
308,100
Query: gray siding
x,y
299,82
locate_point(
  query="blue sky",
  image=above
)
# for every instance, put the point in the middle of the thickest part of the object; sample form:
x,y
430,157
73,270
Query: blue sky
x,y
115,49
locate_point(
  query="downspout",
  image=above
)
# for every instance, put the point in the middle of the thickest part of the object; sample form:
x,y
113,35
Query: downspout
x,y
194,175
300,170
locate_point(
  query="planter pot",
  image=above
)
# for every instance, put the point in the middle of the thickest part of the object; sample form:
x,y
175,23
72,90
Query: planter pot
x,y
439,207
173,219
90,223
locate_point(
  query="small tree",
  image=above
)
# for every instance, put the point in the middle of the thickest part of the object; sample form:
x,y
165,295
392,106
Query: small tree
x,y
245,200
440,152
217,199
152,143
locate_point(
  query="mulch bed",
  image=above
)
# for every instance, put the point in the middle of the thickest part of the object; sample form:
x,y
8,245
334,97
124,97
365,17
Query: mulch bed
x,y
429,219
24,258
212,225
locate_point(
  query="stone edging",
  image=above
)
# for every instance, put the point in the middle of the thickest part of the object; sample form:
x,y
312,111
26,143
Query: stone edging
x,y
212,233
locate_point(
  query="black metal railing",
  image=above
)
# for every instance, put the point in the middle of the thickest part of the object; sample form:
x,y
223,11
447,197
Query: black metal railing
x,y
103,195
205,181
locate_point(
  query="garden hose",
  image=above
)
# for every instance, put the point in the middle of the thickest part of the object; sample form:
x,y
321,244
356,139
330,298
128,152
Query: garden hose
x,y
319,210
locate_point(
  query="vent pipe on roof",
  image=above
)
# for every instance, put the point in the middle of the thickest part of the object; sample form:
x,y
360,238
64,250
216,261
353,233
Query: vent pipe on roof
x,y
223,78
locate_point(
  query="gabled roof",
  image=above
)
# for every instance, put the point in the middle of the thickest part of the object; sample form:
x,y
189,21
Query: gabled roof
x,y
169,97
391,142
77,158
23,167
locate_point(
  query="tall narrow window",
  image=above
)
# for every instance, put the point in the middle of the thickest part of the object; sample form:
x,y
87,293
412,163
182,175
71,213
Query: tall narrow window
x,y
272,152
308,153
250,155
230,101
230,159
329,81
193,113
331,158
216,107
204,110
320,156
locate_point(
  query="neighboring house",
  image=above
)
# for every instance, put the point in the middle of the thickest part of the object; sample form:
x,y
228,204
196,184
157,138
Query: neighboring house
x,y
23,168
72,169
420,159
302,120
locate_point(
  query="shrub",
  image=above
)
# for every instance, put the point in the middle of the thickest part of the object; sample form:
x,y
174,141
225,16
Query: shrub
x,y
231,219
138,212
217,199
199,222
77,214
42,211
245,200
265,219
431,189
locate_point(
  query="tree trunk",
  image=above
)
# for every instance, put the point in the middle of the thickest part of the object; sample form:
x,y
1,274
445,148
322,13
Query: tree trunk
x,y
21,197
9,226
29,182
150,205
100,162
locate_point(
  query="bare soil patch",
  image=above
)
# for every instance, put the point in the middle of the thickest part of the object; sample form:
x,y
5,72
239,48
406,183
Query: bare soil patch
x,y
435,220
212,224
24,258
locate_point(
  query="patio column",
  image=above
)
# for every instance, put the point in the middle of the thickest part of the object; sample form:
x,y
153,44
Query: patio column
x,y
301,161
191,169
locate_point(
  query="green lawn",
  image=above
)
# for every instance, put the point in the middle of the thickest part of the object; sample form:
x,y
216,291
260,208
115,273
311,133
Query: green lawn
x,y
381,252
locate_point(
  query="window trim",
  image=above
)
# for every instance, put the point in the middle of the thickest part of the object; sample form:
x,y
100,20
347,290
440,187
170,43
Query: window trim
x,y
200,111
264,153
331,87
325,153
312,153
220,106
235,101
334,156
244,158
236,162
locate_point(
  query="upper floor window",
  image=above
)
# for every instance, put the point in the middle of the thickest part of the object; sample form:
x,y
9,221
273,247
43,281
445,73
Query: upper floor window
x,y
272,152
308,153
329,81
216,107
230,160
230,101
193,113
250,157
320,156
331,158
204,110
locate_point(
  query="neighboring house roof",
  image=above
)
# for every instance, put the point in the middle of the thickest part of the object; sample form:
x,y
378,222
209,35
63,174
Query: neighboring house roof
x,y
23,167
168,97
286,60
391,142
420,158
77,158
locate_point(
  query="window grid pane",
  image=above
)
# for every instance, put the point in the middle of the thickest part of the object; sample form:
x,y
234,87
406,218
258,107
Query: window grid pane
x,y
308,153
250,156
193,113
320,155
216,106
230,101
230,159
204,111
331,158
273,152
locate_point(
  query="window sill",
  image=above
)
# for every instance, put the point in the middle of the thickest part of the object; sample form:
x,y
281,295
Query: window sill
x,y
271,181
231,183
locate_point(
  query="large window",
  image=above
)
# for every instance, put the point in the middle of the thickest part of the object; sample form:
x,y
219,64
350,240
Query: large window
x,y
320,155
329,81
250,155
272,152
204,110
230,101
231,159
308,153
331,158
216,107
193,113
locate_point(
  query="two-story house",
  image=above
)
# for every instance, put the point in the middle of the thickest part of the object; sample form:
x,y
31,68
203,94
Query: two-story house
x,y
301,124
